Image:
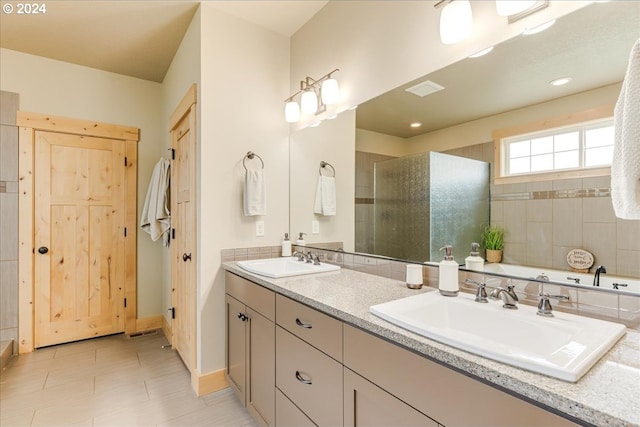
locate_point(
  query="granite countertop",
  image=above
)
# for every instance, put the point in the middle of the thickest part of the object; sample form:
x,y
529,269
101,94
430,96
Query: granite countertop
x,y
608,395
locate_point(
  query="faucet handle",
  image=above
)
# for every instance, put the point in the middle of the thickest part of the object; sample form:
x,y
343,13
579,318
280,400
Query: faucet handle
x,y
481,294
544,306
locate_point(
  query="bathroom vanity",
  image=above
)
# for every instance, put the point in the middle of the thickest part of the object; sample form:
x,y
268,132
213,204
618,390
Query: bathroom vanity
x,y
304,351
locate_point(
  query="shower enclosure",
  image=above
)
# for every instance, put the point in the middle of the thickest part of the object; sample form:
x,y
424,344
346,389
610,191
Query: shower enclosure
x,y
428,200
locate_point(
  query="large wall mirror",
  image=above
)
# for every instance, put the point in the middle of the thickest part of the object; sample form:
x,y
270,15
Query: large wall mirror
x,y
508,87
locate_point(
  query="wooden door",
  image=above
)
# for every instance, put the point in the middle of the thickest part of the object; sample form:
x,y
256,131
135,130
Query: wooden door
x,y
183,243
79,237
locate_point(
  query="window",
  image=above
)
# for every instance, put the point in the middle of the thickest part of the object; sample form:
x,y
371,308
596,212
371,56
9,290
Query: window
x,y
579,146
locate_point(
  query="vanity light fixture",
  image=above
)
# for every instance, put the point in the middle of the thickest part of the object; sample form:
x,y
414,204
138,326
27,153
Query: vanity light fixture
x,y
483,52
561,81
456,20
539,28
315,95
513,7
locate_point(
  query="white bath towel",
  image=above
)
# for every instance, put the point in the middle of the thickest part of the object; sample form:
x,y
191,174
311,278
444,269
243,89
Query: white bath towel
x,y
325,203
156,215
255,197
625,167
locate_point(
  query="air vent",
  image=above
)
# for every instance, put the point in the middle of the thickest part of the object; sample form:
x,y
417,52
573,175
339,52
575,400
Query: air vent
x,y
425,88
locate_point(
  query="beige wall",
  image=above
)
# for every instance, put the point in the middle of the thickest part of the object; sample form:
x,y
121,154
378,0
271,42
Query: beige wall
x,y
245,78
333,141
183,72
379,143
58,88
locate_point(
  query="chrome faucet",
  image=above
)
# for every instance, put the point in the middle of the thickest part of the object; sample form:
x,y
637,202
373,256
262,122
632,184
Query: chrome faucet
x,y
544,306
596,277
508,295
481,293
301,256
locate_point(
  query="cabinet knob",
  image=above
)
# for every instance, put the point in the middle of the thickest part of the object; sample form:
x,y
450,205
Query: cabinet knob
x,y
303,380
242,317
302,324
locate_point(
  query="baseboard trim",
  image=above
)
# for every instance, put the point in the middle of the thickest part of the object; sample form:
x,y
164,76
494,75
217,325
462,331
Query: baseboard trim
x,y
149,323
209,382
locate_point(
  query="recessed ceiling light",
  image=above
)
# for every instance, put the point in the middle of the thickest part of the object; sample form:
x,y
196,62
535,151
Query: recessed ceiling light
x,y
483,52
561,81
538,29
415,124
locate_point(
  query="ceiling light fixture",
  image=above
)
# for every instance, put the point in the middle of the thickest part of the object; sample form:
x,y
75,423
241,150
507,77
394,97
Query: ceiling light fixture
x,y
561,81
483,52
456,20
316,95
415,124
539,28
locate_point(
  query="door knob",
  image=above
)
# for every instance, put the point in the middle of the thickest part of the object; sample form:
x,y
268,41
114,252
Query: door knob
x,y
186,257
43,250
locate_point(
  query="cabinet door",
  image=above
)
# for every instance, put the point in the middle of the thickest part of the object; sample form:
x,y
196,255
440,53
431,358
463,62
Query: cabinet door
x,y
288,414
262,367
365,404
236,346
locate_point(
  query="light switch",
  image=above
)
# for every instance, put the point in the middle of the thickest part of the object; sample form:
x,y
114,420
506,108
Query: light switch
x,y
260,228
315,227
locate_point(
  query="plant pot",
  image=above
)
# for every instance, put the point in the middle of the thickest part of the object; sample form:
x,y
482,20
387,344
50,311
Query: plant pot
x,y
494,255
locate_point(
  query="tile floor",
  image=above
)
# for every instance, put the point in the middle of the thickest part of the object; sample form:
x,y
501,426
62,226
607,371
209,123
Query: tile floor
x,y
110,381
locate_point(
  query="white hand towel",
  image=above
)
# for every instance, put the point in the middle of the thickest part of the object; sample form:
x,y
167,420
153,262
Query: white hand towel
x,y
156,216
325,202
625,167
255,197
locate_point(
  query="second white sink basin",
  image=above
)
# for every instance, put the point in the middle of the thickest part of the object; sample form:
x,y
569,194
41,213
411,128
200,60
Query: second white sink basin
x,y
565,346
284,267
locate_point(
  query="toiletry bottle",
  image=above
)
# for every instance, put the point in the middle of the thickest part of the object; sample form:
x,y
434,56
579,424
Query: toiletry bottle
x,y
474,261
300,241
448,274
286,245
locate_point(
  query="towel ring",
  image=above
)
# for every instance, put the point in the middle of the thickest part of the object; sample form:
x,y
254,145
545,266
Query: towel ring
x,y
250,155
324,164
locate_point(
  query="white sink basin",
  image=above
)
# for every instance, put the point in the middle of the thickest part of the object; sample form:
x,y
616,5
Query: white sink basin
x,y
565,346
284,267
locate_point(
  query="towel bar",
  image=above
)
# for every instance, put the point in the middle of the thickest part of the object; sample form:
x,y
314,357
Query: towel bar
x,y
324,164
250,155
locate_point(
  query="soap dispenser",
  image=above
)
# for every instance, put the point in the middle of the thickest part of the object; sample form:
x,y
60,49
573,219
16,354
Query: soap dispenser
x,y
448,274
474,261
286,245
300,241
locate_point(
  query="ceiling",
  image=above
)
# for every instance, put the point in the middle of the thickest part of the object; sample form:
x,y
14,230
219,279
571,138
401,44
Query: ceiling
x,y
591,45
137,38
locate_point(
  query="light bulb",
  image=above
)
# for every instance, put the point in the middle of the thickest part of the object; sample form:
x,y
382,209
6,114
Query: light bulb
x,y
455,21
309,102
330,92
513,7
291,112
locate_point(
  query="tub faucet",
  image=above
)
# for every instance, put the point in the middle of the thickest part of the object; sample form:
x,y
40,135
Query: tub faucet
x,y
596,277
508,295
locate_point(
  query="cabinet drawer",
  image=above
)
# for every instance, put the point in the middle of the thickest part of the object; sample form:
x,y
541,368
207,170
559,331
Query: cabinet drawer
x,y
318,329
255,296
310,378
288,415
430,387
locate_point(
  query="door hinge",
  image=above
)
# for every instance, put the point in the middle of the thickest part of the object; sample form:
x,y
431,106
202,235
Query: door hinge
x,y
173,312
125,161
173,233
125,303
125,232
173,153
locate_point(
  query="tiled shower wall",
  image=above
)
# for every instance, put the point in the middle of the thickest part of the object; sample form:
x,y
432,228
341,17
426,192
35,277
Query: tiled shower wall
x,y
8,217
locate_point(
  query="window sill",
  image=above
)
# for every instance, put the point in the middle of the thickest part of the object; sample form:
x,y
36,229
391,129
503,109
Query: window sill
x,y
556,175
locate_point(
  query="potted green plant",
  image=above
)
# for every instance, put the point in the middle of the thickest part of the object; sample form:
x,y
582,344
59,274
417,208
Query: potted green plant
x,y
493,242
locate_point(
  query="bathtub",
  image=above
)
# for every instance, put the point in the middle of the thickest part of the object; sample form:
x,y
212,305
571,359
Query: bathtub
x,y
607,282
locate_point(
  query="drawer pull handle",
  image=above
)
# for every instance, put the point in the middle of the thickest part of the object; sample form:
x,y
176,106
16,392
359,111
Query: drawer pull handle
x,y
303,325
300,378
